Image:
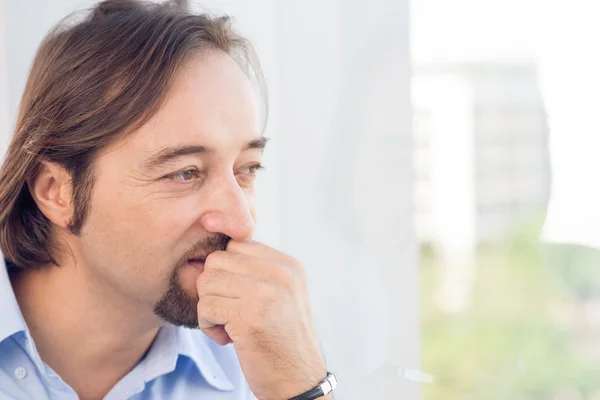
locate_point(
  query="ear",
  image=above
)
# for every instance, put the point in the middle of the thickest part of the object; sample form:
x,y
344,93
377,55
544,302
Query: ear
x,y
51,190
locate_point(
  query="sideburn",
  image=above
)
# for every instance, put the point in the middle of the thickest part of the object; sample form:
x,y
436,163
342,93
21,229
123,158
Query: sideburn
x,y
82,182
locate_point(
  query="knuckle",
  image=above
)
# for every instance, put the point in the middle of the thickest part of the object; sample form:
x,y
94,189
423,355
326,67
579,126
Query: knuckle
x,y
214,259
285,276
211,280
301,273
203,306
295,267
214,276
234,257
292,262
220,258
267,292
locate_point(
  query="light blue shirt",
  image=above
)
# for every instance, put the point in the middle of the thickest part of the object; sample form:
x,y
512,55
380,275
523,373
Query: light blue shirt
x,y
181,364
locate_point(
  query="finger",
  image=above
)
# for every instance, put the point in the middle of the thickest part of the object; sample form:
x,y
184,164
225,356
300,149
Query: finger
x,y
214,313
224,283
259,269
238,263
218,334
264,252
256,249
216,310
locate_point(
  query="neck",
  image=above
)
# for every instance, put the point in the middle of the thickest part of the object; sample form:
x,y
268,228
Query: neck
x,y
86,335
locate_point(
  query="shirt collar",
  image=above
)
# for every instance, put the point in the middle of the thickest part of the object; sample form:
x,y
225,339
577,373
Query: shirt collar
x,y
195,345
10,314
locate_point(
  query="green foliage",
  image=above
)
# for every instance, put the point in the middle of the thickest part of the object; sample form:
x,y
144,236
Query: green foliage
x,y
521,335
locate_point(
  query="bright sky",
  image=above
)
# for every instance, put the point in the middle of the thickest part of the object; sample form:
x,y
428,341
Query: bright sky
x,y
561,37
473,30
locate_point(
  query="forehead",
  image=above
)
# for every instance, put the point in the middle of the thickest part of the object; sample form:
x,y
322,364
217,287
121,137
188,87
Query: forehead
x,y
211,103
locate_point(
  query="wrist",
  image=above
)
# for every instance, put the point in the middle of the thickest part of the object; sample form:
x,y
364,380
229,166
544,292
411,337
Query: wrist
x,y
322,390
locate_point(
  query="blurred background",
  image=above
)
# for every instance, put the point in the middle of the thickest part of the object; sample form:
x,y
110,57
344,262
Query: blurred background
x,y
433,164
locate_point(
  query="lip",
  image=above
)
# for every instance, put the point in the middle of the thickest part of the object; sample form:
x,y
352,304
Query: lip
x,y
197,263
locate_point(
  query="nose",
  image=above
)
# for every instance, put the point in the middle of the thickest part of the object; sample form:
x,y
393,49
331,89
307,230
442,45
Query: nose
x,y
228,210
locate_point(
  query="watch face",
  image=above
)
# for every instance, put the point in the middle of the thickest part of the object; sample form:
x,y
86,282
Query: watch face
x,y
332,379
329,383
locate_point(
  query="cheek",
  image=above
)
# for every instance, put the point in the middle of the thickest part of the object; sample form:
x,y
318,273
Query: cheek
x,y
135,232
174,215
251,202
135,241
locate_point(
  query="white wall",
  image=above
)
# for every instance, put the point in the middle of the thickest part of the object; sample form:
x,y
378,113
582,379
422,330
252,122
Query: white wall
x,y
346,192
27,23
337,192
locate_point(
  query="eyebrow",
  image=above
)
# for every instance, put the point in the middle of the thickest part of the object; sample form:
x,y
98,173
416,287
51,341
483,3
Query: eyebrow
x,y
259,143
172,153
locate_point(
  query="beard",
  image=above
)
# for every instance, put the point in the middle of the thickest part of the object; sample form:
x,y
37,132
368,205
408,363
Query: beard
x,y
176,305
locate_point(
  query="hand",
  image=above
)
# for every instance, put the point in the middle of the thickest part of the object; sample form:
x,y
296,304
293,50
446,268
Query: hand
x,y
256,297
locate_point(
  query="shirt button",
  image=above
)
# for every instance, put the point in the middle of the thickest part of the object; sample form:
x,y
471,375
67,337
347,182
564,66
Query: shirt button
x,y
20,372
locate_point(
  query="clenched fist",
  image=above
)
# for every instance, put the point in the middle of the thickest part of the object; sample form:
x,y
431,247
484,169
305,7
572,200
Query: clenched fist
x,y
256,298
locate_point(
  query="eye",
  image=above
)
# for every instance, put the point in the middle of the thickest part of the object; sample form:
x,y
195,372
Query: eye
x,y
247,174
186,175
253,169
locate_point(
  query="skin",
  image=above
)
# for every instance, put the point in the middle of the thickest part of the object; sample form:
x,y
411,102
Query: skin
x,y
92,318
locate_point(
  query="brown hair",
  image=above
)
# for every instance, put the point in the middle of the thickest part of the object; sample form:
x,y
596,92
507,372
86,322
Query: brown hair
x,y
90,84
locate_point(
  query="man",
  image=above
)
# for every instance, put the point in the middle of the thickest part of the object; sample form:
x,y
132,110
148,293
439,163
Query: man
x,y
126,218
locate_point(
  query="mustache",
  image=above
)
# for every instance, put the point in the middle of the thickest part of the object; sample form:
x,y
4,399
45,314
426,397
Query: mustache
x,y
201,250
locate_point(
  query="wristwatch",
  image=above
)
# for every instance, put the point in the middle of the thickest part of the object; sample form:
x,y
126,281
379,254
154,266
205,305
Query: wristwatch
x,y
325,387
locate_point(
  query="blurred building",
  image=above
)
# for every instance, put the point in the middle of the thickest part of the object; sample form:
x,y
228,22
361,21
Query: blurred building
x,y
481,154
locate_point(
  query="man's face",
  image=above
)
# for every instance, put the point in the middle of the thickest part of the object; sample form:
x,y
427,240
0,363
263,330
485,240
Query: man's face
x,y
176,190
